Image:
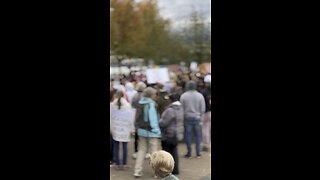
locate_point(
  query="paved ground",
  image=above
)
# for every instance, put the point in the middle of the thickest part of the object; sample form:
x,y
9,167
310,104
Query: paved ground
x,y
190,169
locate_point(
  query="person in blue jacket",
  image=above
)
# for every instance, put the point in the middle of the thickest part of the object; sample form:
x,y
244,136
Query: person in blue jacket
x,y
148,138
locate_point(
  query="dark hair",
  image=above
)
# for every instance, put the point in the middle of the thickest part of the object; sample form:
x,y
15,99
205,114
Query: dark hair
x,y
111,95
174,97
119,96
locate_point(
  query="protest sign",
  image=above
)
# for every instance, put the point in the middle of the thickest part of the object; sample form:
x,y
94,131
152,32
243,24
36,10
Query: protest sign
x,y
122,124
160,75
194,66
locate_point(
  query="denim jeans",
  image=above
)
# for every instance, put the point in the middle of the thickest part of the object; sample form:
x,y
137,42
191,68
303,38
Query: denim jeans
x,y
192,125
111,148
116,150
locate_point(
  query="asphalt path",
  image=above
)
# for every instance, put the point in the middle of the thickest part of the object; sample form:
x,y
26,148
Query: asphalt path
x,y
190,169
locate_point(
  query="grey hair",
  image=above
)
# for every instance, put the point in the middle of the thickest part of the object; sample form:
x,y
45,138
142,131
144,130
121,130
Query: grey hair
x,y
149,92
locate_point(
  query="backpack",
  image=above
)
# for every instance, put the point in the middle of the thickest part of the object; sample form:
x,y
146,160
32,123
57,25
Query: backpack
x,y
139,117
179,122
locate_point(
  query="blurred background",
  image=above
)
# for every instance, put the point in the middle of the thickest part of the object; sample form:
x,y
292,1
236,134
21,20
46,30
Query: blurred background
x,y
164,44
159,33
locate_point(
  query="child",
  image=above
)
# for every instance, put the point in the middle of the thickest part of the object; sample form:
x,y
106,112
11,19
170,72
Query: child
x,y
162,164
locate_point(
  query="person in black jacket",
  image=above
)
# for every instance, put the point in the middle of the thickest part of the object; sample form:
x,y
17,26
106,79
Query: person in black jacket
x,y
172,128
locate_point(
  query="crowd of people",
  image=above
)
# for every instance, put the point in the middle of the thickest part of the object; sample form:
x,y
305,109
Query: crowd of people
x,y
165,115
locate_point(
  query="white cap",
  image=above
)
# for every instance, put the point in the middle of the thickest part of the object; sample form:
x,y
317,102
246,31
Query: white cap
x,y
207,78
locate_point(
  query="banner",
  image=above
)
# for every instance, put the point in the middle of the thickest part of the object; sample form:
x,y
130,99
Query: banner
x,y
160,75
121,124
194,66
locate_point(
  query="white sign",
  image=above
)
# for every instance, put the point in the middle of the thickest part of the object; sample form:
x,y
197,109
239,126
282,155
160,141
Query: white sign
x,y
160,75
122,124
194,66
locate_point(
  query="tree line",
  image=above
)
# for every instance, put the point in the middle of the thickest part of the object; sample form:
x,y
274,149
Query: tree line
x,y
138,31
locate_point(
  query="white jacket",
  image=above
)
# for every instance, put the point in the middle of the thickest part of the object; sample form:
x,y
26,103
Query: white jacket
x,y
121,120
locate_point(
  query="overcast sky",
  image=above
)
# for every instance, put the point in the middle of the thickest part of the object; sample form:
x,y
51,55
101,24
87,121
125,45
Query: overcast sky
x,y
179,10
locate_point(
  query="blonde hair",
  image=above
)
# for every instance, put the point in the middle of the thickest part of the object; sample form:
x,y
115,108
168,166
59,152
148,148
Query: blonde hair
x,y
162,163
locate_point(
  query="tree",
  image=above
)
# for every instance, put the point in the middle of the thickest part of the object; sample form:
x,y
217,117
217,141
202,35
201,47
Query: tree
x,y
137,30
124,28
197,38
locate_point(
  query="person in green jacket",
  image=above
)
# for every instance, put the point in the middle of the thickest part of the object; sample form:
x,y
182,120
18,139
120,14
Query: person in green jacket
x,y
162,164
162,100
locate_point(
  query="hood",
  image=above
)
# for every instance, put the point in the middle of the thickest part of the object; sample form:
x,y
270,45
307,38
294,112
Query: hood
x,y
145,100
175,104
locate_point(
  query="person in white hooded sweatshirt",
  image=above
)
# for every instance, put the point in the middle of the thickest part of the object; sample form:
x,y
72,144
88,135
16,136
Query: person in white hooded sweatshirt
x,y
121,104
130,91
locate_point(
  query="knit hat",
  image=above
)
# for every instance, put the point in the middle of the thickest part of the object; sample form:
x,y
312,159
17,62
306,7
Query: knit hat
x,y
191,85
174,97
148,92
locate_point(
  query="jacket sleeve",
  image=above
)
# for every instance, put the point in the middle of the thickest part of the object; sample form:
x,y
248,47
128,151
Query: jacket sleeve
x,y
180,124
153,117
182,100
166,118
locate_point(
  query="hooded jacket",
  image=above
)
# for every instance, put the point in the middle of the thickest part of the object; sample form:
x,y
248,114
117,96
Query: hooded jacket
x,y
150,110
193,104
171,122
125,106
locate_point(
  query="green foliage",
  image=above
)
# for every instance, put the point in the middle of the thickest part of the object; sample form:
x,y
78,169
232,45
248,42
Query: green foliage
x,y
138,31
197,38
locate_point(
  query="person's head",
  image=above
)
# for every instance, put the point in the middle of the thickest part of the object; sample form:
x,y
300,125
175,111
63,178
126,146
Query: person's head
x,y
174,97
207,80
150,92
141,86
159,86
191,86
162,163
